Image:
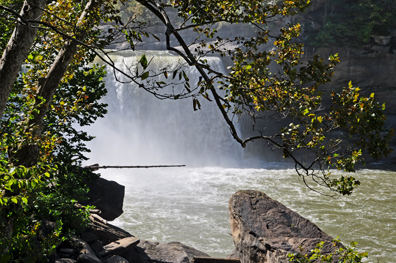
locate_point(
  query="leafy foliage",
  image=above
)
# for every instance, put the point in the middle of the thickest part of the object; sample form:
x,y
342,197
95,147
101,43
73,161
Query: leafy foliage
x,y
343,254
51,188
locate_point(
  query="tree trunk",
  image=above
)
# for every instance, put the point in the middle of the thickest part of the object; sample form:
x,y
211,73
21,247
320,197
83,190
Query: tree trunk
x,y
18,47
47,86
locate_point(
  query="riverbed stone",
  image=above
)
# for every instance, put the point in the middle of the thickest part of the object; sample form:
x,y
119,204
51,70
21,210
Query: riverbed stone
x,y
88,258
151,251
107,196
116,259
66,252
89,237
120,246
170,252
106,232
265,230
65,260
82,246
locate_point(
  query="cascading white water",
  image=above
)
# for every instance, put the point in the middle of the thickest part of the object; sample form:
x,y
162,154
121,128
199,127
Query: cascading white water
x,y
190,205
141,129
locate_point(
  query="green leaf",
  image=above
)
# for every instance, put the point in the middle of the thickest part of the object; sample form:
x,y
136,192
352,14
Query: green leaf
x,y
145,75
143,61
15,200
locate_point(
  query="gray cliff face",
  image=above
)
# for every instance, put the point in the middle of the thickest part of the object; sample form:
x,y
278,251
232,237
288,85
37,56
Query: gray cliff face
x,y
373,72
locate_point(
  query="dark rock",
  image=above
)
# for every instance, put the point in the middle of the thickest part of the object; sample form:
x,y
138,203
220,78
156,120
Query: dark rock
x,y
120,246
82,246
216,260
107,233
66,252
88,258
96,247
65,260
136,255
89,237
107,196
150,251
264,230
116,259
86,254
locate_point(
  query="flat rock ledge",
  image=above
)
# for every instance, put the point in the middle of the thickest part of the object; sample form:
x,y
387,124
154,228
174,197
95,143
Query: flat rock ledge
x,y
265,231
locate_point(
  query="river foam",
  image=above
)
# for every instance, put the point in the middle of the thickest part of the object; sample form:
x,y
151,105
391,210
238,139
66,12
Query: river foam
x,y
190,205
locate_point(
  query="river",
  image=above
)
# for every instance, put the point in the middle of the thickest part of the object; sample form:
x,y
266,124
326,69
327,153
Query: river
x,y
190,205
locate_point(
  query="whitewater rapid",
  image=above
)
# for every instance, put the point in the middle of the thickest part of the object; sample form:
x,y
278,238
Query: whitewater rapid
x,y
190,205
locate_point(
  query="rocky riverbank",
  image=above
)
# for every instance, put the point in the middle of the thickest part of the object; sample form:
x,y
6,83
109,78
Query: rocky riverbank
x,y
263,230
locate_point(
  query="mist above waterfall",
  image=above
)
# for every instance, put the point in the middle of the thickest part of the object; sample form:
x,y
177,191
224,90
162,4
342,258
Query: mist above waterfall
x,y
140,129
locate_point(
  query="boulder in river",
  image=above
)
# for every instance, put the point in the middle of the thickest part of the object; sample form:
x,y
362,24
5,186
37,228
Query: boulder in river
x,y
264,230
107,196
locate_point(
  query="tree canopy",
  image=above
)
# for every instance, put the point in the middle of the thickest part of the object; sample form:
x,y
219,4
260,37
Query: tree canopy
x,y
47,83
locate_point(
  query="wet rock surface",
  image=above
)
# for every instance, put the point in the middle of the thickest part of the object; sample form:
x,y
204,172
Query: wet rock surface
x,y
264,230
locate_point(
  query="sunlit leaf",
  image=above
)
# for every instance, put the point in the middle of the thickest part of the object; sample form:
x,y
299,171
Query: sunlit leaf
x,y
145,75
143,61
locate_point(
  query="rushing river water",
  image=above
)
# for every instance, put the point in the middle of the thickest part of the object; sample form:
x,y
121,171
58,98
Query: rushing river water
x,y
190,204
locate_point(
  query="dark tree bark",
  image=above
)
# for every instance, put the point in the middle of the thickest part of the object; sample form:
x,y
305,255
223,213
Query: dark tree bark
x,y
18,47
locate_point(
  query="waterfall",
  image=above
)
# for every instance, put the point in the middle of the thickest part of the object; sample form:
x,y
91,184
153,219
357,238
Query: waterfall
x,y
191,204
140,129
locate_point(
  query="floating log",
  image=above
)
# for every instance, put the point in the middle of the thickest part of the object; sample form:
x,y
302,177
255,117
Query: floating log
x,y
97,166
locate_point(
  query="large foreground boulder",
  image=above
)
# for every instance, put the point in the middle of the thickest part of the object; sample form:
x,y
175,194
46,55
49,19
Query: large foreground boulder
x,y
264,230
